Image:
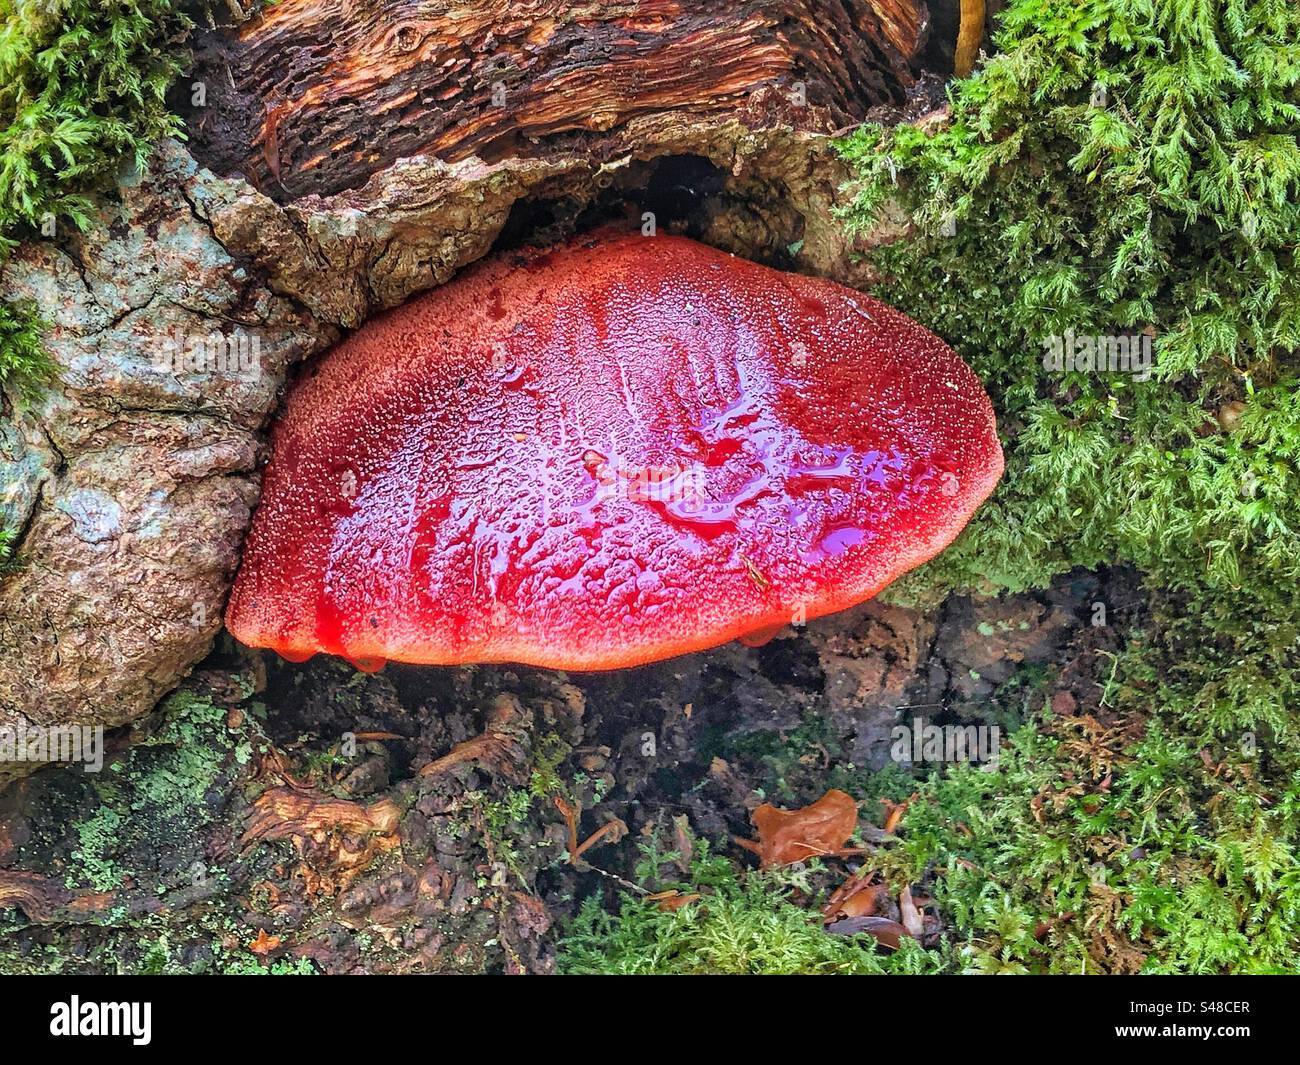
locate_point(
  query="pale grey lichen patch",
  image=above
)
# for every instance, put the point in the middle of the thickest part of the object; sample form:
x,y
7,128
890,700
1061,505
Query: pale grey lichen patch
x,y
27,461
96,516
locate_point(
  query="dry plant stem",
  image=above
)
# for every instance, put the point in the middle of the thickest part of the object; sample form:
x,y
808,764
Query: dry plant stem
x,y
969,34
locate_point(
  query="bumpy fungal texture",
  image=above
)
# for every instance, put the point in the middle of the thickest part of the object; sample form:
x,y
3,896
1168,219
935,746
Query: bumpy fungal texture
x,y
617,451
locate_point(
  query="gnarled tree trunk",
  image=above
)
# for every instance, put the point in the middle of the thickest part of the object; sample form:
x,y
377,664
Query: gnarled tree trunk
x,y
351,156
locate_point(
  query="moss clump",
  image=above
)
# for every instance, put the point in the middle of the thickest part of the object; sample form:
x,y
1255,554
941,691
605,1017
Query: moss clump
x,y
1093,850
743,923
25,370
1128,167
1122,166
82,87
25,367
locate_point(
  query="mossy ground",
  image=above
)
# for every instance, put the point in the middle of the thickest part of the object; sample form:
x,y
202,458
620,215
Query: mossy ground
x,y
132,848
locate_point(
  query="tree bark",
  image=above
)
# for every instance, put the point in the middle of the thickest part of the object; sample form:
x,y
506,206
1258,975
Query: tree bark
x,y
310,97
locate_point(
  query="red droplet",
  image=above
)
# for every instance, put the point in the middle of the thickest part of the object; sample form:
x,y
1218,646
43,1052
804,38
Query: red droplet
x,y
761,637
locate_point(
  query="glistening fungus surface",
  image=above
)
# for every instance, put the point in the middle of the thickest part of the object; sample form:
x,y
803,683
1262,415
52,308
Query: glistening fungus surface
x,y
605,454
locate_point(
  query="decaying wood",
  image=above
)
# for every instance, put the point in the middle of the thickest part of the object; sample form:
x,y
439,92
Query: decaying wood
x,y
499,749
315,97
45,900
285,813
336,839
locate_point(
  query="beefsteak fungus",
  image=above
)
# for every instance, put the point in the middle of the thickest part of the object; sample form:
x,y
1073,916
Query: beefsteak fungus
x,y
617,451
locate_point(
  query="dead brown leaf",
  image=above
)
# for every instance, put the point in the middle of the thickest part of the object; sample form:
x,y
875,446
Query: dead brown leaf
x,y
264,944
862,895
894,812
672,900
818,830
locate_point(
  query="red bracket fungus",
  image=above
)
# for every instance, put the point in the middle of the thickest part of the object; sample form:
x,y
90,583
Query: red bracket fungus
x,y
610,453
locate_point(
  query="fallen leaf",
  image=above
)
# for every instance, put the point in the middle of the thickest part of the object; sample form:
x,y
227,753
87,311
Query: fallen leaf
x,y
789,836
894,812
264,944
670,901
886,932
859,896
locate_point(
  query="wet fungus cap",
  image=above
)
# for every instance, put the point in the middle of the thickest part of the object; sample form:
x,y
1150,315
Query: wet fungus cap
x,y
606,454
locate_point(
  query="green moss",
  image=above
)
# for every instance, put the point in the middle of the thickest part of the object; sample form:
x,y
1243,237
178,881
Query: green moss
x,y
743,923
1155,210
1088,852
546,777
1173,206
25,370
25,367
1120,167
82,87
500,825
6,550
251,965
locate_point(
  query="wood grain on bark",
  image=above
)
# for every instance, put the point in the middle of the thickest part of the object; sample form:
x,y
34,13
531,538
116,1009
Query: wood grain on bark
x,y
316,97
